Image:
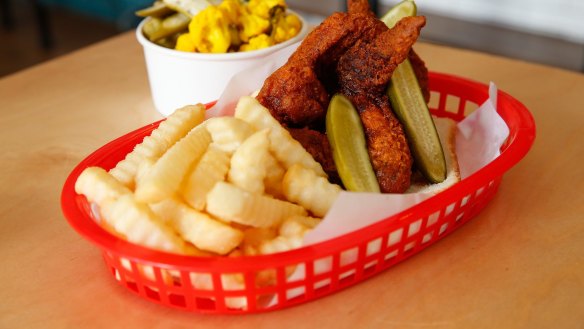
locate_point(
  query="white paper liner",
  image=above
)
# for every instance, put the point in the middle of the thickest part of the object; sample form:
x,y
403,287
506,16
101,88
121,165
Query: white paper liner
x,y
479,138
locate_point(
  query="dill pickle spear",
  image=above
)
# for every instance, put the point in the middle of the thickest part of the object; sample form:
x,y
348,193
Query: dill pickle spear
x,y
411,109
345,134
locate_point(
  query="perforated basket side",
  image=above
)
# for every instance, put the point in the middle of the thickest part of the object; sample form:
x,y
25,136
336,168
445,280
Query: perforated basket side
x,y
383,246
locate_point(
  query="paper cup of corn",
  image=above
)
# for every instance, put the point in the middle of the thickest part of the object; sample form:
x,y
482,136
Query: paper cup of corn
x,y
190,58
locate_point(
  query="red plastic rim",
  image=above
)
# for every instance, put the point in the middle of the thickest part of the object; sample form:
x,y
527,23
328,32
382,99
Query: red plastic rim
x,y
418,227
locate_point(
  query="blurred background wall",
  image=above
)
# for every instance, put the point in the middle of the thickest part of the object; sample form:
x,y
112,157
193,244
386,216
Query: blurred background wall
x,y
544,31
549,32
33,31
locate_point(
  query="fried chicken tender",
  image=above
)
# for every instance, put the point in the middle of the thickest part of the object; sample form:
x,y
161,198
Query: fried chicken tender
x,y
317,144
367,67
364,72
298,93
359,7
353,53
387,145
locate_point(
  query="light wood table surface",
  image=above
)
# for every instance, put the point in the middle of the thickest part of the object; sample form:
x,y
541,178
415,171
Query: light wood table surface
x,y
519,264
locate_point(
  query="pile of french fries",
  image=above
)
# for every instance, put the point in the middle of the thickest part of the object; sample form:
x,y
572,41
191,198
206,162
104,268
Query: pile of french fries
x,y
224,186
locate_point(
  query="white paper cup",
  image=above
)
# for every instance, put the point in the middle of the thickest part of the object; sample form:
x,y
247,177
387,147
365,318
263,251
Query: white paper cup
x,y
179,78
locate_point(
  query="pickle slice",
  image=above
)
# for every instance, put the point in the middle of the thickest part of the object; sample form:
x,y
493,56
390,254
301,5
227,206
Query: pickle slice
x,y
158,9
151,26
156,28
345,134
411,109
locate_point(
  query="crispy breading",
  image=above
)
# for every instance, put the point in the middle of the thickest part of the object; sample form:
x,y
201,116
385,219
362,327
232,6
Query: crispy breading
x,y
387,145
317,144
367,67
295,96
359,7
298,93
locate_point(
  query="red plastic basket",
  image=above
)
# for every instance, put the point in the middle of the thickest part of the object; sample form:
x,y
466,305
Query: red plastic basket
x,y
171,279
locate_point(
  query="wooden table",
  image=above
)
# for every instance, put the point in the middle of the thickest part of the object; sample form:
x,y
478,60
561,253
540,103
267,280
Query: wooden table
x,y
519,264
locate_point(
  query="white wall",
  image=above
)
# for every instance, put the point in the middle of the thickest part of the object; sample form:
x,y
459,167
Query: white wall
x,y
563,19
550,32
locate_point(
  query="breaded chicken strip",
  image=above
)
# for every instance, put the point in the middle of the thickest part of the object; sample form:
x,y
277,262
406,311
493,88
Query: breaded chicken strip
x,y
317,144
359,7
298,93
362,7
364,73
387,145
368,65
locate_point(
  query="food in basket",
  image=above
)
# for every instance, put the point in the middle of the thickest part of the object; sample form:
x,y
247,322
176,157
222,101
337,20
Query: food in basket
x,y
228,26
169,131
199,187
257,182
355,54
